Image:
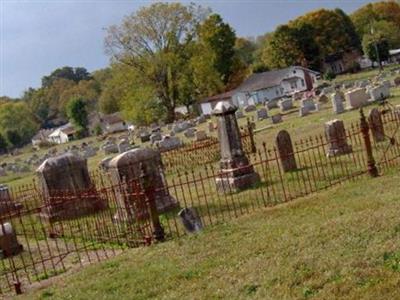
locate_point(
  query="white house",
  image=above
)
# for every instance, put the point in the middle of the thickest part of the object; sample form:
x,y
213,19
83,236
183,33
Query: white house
x,y
112,123
62,134
266,86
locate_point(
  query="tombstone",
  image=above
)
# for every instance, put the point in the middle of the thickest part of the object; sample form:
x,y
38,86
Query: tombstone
x,y
74,195
378,93
210,126
2,172
396,81
337,103
7,206
201,119
145,137
109,147
236,172
262,114
239,114
308,103
190,220
285,150
89,152
276,118
376,125
125,170
303,111
336,138
249,108
322,98
270,104
356,98
154,137
103,165
285,104
190,132
9,245
201,135
169,143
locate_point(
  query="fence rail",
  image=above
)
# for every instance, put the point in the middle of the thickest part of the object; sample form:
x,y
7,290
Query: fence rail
x,y
52,247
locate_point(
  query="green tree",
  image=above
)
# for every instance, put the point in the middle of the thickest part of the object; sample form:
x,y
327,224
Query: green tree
x,y
14,139
69,73
3,144
76,111
376,48
153,43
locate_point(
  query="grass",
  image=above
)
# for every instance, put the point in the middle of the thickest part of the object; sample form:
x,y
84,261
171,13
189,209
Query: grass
x,y
341,243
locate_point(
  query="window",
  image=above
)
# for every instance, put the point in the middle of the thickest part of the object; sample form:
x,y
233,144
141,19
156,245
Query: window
x,y
277,92
302,82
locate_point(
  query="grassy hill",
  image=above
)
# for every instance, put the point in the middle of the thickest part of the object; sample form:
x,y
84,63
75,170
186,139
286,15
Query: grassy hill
x,y
341,243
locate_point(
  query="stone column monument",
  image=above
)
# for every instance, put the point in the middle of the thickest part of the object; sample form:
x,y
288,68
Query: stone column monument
x,y
236,172
336,137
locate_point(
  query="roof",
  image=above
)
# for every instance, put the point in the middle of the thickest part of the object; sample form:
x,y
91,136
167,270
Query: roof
x,y
394,51
42,134
259,81
219,97
66,129
112,119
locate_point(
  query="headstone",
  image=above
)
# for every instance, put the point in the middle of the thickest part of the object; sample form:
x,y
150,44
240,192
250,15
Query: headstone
x,y
285,150
169,143
145,137
109,148
239,114
303,111
270,104
356,98
337,103
210,126
67,189
126,169
236,172
336,138
190,220
154,137
249,108
190,132
201,135
276,118
201,119
104,163
376,125
308,103
262,114
396,81
322,98
7,206
123,146
9,245
379,92
285,104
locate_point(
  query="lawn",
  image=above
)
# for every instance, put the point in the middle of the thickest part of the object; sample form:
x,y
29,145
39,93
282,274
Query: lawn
x,y
340,243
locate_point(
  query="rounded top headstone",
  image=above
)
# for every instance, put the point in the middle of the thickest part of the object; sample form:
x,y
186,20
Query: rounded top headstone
x,y
223,108
133,156
60,161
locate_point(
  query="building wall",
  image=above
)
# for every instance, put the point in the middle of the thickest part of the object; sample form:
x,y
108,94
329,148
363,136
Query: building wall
x,y
111,128
60,138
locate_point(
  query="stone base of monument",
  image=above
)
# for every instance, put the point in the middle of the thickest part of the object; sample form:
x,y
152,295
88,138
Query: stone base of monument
x,y
235,180
9,245
345,149
71,208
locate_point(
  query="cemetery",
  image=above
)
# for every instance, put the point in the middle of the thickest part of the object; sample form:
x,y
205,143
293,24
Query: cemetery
x,y
93,199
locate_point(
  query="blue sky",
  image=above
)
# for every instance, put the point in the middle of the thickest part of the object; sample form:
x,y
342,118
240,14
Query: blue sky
x,y
37,37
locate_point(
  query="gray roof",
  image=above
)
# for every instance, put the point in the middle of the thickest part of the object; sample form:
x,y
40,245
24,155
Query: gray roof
x,y
260,81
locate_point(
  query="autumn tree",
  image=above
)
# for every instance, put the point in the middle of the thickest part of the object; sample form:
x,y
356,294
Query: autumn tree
x,y
151,42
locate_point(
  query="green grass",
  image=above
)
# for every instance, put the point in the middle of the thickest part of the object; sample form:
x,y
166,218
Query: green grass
x,y
341,243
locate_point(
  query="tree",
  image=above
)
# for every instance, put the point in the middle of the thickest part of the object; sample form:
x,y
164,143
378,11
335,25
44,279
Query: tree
x,y
13,138
376,48
76,111
3,144
69,73
153,43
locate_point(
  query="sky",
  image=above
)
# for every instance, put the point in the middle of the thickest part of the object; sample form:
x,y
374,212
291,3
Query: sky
x,y
36,36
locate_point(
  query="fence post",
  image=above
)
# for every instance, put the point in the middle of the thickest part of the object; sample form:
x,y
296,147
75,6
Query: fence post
x,y
148,189
372,170
251,135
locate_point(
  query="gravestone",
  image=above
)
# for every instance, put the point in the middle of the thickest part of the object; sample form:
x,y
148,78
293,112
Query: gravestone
x,y
190,220
200,135
123,146
239,114
303,111
270,104
7,205
396,81
335,134
308,103
169,143
285,104
210,126
337,103
285,150
276,118
104,163
9,245
262,114
376,125
190,132
236,172
125,170
154,137
250,108
356,98
67,189
379,92
145,137
109,147
322,98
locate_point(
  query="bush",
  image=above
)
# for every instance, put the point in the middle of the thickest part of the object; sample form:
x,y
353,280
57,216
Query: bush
x,y
355,67
329,76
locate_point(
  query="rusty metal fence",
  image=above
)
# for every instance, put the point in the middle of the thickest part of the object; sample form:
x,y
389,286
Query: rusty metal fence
x,y
51,247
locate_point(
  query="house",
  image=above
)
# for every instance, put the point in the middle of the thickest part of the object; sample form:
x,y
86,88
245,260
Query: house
x,y
342,62
62,134
266,86
394,56
112,123
41,137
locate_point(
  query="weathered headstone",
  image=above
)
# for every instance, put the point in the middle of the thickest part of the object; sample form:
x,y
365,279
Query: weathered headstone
x,y
376,125
190,132
249,108
262,114
308,103
123,146
337,103
210,126
379,92
270,104
126,170
303,111
145,137
322,98
236,172
156,136
356,98
285,150
191,220
169,143
109,148
9,245
396,81
67,189
285,104
276,118
200,135
239,114
7,205
336,137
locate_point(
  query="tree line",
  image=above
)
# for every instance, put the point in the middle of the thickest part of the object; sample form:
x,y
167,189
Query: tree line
x,y
170,54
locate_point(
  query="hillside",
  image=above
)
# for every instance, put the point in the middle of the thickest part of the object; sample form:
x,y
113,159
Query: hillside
x,y
341,243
